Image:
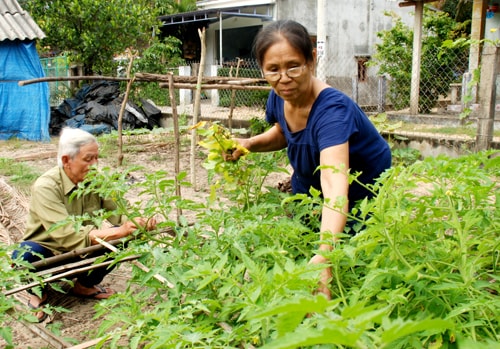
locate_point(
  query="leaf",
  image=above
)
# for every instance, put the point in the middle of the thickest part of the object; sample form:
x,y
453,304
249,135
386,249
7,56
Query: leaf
x,y
399,328
306,337
301,305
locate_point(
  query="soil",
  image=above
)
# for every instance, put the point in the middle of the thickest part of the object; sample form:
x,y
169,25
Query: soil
x,y
153,152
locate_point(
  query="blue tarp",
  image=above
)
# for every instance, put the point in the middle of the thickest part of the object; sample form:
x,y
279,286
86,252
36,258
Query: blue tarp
x,y
24,110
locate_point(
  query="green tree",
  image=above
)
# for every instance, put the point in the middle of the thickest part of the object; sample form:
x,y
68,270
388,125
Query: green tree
x,y
174,6
440,65
92,32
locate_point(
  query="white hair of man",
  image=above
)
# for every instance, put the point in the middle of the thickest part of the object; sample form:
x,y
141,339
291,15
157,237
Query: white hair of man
x,y
70,142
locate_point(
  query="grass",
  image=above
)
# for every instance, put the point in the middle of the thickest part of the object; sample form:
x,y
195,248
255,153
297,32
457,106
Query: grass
x,y
466,130
19,174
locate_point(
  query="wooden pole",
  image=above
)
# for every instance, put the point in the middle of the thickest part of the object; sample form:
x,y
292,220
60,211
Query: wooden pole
x,y
71,254
148,77
175,117
217,87
122,109
233,97
69,78
136,263
41,331
196,110
64,275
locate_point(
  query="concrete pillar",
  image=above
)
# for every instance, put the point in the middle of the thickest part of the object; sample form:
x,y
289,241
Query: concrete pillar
x,y
487,96
321,39
381,93
214,94
479,8
185,96
417,52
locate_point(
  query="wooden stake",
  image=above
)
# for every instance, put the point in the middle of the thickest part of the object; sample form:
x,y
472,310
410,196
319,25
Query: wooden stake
x,y
136,263
175,117
233,96
66,274
196,111
41,331
217,87
122,109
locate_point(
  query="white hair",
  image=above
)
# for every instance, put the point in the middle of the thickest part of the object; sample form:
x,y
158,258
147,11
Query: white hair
x,y
70,142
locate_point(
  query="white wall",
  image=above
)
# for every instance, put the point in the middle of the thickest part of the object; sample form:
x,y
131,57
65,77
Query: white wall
x,y
352,26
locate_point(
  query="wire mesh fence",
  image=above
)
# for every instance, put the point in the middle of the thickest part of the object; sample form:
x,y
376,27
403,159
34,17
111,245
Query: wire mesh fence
x,y
443,81
57,67
442,85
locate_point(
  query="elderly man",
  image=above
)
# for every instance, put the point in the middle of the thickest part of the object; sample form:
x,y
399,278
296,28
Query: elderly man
x,y
50,203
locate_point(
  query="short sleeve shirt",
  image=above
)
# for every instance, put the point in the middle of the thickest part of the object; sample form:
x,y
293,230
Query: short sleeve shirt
x,y
333,120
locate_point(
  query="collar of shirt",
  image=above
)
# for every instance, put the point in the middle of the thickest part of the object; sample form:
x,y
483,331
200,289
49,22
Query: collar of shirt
x,y
68,185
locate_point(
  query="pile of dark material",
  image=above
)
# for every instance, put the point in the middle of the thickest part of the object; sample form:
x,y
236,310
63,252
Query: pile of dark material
x,y
96,107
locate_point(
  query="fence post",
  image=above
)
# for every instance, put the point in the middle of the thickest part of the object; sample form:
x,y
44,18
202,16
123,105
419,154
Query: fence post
x,y
487,96
355,89
466,91
381,92
185,96
214,94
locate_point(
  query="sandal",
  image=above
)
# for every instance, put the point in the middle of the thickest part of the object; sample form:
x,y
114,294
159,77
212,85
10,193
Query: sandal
x,y
38,310
101,293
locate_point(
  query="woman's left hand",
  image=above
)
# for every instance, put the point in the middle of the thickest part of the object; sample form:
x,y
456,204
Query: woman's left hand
x,y
325,276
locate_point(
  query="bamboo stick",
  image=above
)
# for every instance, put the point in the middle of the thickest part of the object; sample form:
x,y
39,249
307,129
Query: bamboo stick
x,y
71,254
66,274
233,97
197,107
68,266
130,82
205,79
137,263
69,78
145,77
40,331
87,250
217,87
90,343
177,165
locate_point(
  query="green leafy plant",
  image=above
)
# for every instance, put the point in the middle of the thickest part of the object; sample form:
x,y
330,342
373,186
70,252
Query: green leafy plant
x,y
242,180
422,272
440,66
161,57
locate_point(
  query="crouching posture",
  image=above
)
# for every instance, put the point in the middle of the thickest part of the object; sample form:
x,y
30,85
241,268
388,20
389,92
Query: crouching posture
x,y
51,203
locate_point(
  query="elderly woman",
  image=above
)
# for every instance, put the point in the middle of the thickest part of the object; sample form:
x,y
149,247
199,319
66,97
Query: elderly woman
x,y
50,203
319,126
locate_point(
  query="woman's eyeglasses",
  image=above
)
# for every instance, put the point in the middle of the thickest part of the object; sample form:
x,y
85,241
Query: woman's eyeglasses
x,y
294,72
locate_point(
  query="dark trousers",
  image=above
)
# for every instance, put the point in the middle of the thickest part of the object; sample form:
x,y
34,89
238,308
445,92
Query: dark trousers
x,y
33,252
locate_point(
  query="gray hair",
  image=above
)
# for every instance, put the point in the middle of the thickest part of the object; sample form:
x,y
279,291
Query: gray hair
x,y
70,142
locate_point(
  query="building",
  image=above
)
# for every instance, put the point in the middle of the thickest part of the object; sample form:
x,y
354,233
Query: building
x,y
231,26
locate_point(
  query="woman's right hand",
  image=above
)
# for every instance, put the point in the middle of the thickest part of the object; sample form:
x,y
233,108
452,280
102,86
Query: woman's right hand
x,y
237,153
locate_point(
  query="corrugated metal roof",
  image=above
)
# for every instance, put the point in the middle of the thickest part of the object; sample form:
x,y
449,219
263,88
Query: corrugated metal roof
x,y
15,23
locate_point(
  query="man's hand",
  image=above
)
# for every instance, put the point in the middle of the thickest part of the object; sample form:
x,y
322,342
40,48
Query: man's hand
x,y
148,223
325,276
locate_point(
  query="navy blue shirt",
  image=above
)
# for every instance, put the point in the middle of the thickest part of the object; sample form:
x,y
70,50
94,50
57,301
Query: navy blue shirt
x,y
334,119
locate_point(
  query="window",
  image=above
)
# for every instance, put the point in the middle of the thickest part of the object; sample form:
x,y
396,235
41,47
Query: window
x,y
362,68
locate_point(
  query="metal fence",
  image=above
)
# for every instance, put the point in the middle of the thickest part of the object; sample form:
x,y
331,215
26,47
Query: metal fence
x,y
57,67
442,86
